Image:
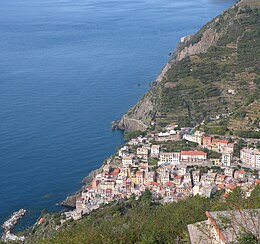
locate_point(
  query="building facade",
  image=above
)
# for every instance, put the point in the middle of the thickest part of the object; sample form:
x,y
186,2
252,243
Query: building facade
x,y
193,156
169,157
250,157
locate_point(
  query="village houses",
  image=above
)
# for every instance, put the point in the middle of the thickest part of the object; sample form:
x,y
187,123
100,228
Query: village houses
x,y
173,178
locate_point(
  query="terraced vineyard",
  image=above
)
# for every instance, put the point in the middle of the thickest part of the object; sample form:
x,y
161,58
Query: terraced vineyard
x,y
213,77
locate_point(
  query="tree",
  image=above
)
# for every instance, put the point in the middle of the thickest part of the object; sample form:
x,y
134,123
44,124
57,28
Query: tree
x,y
247,238
146,198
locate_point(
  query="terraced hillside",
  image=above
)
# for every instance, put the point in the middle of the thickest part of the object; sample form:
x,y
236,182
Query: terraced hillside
x,y
212,77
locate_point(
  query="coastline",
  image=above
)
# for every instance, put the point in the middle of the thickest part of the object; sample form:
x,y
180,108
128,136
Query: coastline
x,y
129,124
70,200
135,167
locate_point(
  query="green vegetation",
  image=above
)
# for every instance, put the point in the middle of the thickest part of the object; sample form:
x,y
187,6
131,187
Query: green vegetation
x,y
248,134
153,161
247,238
143,221
130,135
218,130
225,80
177,146
238,146
205,169
212,154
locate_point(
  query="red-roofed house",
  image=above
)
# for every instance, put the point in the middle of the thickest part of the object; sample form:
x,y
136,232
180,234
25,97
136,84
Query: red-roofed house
x,y
219,145
230,188
154,183
222,145
221,186
115,172
220,179
239,174
139,177
95,183
40,221
178,179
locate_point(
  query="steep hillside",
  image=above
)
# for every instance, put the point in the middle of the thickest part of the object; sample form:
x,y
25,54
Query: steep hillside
x,y
213,76
135,221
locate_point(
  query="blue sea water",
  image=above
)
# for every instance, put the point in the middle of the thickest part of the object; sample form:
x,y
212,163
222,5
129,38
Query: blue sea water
x,y
67,69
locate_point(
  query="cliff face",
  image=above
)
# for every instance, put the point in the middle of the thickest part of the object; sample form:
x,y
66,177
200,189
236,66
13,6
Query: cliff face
x,y
140,116
193,85
208,38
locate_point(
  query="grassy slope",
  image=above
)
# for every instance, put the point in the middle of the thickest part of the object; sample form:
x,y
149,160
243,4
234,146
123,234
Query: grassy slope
x,y
142,222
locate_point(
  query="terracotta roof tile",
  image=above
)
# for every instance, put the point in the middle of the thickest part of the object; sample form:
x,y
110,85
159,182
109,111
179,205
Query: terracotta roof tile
x,y
193,153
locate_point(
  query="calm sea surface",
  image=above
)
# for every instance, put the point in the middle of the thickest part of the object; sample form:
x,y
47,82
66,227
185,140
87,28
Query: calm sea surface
x,y
67,69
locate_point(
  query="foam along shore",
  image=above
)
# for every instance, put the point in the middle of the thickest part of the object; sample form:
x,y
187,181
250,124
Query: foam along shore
x,y
9,224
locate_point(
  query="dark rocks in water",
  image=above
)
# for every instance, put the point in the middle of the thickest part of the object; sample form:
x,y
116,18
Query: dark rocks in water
x,y
115,124
154,83
70,201
88,179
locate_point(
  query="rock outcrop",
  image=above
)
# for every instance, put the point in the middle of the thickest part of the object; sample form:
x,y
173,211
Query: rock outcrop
x,y
208,38
70,201
138,117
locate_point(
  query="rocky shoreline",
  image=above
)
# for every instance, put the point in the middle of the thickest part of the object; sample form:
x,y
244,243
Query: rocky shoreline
x,y
125,124
9,225
70,201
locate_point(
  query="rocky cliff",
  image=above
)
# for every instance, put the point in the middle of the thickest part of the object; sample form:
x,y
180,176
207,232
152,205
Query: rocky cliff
x,y
140,116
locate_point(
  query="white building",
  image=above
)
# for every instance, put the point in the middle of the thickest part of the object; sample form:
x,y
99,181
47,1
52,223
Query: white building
x,y
226,159
229,172
169,157
193,156
163,134
196,137
155,150
127,160
250,157
142,152
123,151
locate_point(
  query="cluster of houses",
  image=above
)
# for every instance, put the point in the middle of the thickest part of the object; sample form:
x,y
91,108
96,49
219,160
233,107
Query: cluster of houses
x,y
211,143
172,178
250,157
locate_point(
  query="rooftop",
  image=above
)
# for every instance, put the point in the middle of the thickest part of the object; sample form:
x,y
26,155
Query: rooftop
x,y
193,153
